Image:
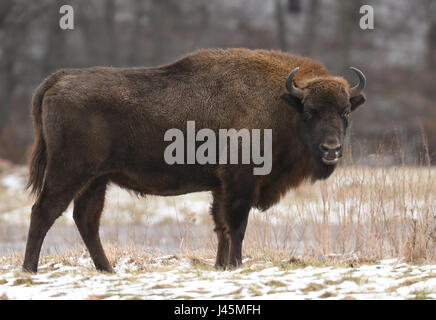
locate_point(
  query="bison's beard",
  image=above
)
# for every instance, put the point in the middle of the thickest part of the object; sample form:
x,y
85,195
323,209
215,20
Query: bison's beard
x,y
321,170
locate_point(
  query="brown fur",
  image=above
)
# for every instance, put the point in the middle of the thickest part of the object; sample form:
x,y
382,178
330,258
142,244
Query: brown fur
x,y
99,125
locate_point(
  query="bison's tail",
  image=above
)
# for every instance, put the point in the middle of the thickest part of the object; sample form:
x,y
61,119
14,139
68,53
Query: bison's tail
x,y
38,162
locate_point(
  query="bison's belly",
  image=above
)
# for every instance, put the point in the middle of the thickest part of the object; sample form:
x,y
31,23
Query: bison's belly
x,y
166,181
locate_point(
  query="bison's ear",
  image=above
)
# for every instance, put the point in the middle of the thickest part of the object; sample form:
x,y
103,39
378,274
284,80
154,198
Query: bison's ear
x,y
294,102
357,101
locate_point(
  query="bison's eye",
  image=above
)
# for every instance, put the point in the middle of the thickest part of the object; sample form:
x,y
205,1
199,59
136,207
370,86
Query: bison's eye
x,y
307,115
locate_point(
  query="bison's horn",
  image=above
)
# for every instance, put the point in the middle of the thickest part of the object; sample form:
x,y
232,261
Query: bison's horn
x,y
354,91
294,91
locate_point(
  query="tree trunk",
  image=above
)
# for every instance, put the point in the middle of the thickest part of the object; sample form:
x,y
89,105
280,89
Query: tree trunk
x,y
55,49
431,45
346,27
312,17
9,48
111,35
294,6
281,27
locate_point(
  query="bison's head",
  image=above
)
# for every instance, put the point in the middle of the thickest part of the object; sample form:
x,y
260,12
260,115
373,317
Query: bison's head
x,y
324,105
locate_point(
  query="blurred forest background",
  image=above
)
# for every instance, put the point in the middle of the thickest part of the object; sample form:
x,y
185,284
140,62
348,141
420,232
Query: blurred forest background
x,y
398,56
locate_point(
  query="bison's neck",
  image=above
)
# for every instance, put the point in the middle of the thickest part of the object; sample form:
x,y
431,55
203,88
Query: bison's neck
x,y
290,168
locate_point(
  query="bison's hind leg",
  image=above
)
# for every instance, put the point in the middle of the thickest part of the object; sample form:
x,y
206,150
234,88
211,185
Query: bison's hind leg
x,y
77,146
88,207
58,191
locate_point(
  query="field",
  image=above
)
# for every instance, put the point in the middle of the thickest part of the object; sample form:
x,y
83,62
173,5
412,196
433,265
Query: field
x,y
366,232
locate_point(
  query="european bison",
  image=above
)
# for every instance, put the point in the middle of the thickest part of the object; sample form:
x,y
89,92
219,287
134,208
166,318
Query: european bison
x,y
101,125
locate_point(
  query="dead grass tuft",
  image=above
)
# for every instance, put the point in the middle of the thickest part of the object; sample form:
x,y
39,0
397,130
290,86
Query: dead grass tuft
x,y
327,294
313,287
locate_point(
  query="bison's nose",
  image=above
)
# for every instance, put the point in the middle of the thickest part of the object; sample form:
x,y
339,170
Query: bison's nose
x,y
330,152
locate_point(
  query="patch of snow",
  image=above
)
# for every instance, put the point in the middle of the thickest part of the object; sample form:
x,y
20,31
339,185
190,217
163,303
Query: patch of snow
x,y
13,182
386,280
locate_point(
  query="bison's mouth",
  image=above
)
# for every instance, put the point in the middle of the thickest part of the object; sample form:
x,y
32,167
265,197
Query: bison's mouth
x,y
330,153
331,157
330,161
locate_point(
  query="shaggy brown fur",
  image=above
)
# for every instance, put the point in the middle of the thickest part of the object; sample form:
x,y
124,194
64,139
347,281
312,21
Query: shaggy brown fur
x,y
99,125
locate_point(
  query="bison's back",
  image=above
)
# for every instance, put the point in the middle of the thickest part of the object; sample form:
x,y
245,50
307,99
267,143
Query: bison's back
x,y
216,88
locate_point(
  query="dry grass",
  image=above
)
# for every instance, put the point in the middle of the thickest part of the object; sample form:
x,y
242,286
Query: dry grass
x,y
369,213
313,287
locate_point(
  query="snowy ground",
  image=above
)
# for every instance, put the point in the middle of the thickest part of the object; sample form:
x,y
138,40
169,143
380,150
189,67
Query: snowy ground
x,y
174,277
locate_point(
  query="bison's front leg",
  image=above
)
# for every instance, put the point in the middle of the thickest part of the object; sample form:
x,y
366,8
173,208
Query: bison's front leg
x,y
237,199
222,256
238,224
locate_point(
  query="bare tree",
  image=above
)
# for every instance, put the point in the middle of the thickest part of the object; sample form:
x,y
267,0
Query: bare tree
x,y
311,23
348,21
281,27
8,52
91,25
135,55
294,6
431,37
111,47
55,49
15,16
